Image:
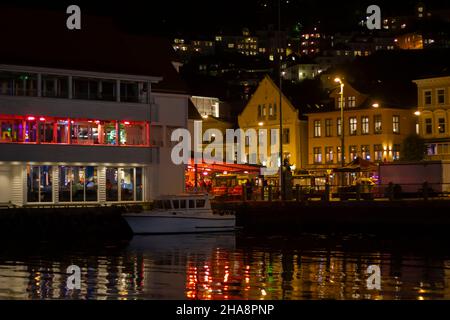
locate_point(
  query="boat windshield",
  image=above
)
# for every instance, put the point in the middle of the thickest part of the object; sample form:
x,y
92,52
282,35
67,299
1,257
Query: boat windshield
x,y
200,203
163,204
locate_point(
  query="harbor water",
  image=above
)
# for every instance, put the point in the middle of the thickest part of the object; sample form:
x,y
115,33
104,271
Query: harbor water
x,y
228,266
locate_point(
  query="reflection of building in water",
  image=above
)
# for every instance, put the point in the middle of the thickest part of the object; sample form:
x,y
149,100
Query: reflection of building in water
x,y
331,275
200,268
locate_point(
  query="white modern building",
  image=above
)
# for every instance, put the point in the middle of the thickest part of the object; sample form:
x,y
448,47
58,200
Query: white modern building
x,y
86,127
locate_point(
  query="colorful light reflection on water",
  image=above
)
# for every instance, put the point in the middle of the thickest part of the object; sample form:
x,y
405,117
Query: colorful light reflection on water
x,y
218,267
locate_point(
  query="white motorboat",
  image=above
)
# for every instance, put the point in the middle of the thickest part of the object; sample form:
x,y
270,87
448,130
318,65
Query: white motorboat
x,y
188,213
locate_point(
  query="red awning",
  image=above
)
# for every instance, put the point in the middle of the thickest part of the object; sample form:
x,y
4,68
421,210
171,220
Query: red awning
x,y
229,167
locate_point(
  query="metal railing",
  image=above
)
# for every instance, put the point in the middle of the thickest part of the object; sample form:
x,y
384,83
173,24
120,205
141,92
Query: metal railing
x,y
387,192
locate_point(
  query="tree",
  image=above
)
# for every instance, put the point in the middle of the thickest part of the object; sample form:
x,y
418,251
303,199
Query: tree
x,y
413,148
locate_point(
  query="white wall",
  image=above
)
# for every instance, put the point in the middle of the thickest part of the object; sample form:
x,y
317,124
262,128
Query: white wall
x,y
5,184
168,178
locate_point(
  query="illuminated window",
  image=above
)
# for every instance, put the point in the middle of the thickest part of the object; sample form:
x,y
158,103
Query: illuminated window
x,y
396,124
124,184
317,155
377,124
365,127
329,155
396,152
441,125
365,152
260,112
317,129
339,154
352,102
39,184
339,126
353,126
378,152
78,184
353,152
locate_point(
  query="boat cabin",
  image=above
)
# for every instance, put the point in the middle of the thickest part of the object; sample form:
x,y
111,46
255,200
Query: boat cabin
x,y
184,202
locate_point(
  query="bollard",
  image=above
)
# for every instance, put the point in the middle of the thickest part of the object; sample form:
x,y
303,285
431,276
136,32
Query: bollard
x,y
391,191
270,194
327,192
244,193
358,192
297,193
425,190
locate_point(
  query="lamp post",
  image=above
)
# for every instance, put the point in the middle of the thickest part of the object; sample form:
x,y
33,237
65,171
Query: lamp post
x,y
341,106
278,56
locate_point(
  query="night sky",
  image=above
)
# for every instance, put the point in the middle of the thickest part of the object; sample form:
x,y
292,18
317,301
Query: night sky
x,y
201,17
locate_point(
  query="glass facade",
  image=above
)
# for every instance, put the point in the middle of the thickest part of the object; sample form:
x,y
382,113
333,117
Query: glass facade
x,y
39,184
124,184
78,184
57,86
33,129
18,84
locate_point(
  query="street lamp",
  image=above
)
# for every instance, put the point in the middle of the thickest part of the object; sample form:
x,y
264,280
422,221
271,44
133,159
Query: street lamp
x,y
280,85
341,106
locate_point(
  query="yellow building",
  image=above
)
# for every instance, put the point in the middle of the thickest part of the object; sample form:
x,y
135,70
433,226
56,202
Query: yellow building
x,y
262,112
373,130
434,115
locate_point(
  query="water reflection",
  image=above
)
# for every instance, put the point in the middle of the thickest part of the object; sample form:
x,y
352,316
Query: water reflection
x,y
223,266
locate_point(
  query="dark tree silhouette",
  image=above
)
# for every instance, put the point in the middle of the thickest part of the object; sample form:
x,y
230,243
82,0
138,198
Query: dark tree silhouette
x,y
413,148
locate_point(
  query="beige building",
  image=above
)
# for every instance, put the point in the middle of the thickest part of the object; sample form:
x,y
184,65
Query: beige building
x,y
434,115
373,130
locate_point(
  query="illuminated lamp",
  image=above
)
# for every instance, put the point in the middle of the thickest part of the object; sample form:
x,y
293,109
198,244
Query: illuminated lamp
x,y
31,118
126,123
42,119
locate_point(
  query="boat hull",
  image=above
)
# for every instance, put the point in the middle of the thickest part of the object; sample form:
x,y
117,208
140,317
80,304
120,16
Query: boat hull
x,y
149,224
